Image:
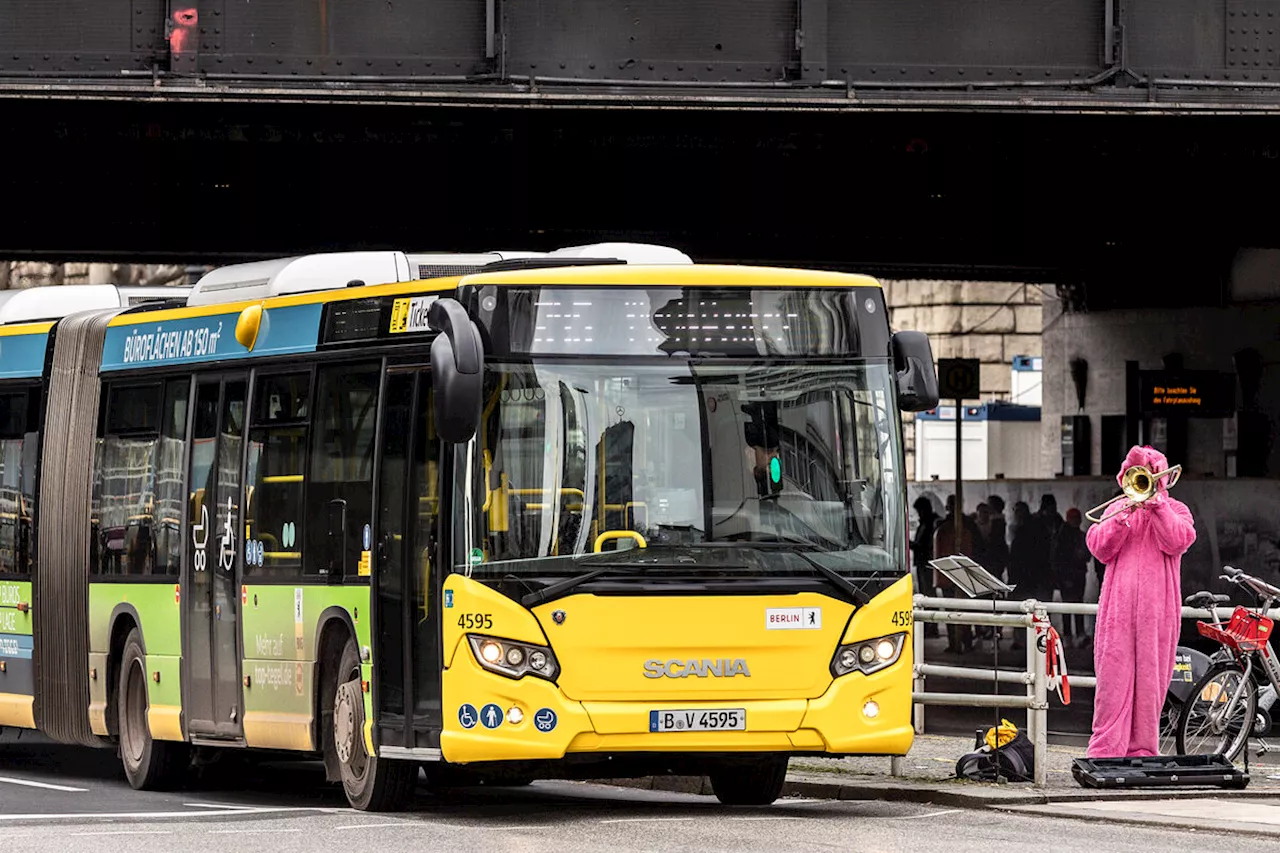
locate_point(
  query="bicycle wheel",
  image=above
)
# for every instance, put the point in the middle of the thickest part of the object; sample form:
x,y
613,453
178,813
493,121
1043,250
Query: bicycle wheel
x,y
1210,722
1169,715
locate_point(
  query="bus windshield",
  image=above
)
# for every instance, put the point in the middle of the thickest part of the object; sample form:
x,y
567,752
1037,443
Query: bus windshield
x,y
759,468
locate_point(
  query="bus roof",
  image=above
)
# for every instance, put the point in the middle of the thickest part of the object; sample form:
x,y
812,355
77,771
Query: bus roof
x,y
693,275
55,302
339,270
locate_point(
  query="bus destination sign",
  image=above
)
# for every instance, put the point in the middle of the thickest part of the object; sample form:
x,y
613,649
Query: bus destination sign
x,y
1193,393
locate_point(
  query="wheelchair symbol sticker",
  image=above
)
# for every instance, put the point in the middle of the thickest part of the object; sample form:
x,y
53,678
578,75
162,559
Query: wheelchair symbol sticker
x,y
545,720
467,716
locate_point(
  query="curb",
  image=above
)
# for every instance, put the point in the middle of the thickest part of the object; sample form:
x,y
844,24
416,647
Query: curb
x,y
1158,822
952,794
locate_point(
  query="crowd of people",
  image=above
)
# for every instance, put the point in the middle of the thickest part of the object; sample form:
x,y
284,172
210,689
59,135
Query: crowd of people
x,y
1039,553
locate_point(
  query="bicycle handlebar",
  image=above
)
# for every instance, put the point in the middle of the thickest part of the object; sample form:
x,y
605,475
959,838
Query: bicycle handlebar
x,y
1257,585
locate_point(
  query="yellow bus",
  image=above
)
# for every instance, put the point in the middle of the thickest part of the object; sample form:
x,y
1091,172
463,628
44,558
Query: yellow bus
x,y
556,517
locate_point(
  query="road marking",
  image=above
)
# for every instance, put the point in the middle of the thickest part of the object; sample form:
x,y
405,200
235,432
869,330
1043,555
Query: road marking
x,y
413,824
235,807
216,806
648,820
929,814
29,784
187,814
243,831
771,818
128,832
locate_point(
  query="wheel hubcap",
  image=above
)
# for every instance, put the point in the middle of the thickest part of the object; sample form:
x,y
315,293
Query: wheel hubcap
x,y
344,725
133,698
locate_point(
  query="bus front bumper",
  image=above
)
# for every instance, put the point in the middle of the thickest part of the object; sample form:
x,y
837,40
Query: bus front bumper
x,y
858,714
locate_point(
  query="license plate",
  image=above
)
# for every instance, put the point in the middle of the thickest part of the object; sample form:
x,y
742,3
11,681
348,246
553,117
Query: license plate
x,y
730,720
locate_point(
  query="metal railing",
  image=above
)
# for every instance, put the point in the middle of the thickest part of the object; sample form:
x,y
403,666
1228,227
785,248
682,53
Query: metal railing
x,y
1026,615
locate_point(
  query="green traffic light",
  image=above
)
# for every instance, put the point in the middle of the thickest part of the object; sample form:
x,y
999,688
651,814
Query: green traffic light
x,y
775,470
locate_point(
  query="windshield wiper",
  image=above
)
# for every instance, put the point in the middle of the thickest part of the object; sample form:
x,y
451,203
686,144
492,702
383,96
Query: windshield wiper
x,y
860,598
624,567
559,588
847,586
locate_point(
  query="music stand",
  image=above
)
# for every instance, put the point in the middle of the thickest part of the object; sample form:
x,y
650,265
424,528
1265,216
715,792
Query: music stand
x,y
976,582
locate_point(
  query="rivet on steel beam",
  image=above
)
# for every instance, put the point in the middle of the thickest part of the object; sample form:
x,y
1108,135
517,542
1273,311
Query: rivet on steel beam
x,y
155,676
93,673
248,681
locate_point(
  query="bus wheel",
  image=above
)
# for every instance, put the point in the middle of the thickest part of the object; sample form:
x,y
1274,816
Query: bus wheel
x,y
150,765
371,784
755,783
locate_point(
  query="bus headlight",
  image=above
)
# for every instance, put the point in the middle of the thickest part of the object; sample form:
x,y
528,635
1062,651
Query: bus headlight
x,y
868,656
512,659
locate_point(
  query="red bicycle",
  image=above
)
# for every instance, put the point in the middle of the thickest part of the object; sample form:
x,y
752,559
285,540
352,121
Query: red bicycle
x,y
1232,701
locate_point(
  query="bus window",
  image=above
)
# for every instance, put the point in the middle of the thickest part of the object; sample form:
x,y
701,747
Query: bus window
x,y
340,482
19,443
277,460
124,500
170,484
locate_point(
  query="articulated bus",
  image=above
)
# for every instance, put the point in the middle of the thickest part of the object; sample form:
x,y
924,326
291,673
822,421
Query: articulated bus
x,y
496,517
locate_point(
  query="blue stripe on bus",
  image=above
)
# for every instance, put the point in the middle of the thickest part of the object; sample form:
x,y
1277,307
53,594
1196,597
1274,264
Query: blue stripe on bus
x,y
15,646
22,356
290,329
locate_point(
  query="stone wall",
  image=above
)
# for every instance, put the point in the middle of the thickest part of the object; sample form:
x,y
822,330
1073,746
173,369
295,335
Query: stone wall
x,y
22,274
987,320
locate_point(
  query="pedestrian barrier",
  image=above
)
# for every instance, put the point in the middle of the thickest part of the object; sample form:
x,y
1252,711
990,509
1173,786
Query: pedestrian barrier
x,y
1030,615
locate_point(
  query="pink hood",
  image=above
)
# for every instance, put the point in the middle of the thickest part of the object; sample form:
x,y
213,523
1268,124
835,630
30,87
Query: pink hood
x,y
1150,458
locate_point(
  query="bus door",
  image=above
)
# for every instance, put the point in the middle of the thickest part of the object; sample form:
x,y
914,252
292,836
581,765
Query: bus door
x,y
210,599
408,572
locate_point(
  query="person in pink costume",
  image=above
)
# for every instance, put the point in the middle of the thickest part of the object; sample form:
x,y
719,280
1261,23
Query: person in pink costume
x,y
1139,614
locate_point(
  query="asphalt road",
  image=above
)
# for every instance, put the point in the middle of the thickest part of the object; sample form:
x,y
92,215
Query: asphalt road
x,y
59,799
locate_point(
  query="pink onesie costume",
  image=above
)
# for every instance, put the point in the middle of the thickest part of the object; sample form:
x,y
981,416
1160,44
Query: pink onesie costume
x,y
1139,614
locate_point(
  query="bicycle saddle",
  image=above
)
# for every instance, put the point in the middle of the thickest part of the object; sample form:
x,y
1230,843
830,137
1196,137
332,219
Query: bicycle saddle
x,y
1204,599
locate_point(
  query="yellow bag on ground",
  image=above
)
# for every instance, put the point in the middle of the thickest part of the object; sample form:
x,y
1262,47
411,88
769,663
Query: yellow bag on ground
x,y
1008,731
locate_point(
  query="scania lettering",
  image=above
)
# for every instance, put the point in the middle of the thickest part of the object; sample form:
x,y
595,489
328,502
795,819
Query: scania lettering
x,y
600,512
702,668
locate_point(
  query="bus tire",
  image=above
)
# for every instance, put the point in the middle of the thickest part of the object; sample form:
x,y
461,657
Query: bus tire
x,y
149,765
755,783
371,784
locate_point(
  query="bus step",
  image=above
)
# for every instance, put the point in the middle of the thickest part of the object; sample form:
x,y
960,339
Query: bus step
x,y
213,740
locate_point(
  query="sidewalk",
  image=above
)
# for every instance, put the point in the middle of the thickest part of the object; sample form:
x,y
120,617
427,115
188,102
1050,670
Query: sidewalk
x,y
929,777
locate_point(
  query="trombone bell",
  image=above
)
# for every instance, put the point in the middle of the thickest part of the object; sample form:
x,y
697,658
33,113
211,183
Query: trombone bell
x,y
1138,485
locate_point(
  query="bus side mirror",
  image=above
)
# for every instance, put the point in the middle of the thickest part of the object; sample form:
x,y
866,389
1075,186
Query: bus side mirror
x,y
457,357
917,377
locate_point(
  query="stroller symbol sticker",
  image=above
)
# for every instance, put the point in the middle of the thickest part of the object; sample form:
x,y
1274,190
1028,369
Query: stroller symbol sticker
x,y
545,720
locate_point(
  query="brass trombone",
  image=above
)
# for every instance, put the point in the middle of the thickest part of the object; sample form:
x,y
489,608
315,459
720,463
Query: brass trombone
x,y
1138,485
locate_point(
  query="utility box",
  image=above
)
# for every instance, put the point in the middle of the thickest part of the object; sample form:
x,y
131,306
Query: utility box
x,y
1027,375
998,440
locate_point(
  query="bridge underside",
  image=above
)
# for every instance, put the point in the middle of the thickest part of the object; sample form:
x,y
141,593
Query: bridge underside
x,y
1134,202
1116,144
